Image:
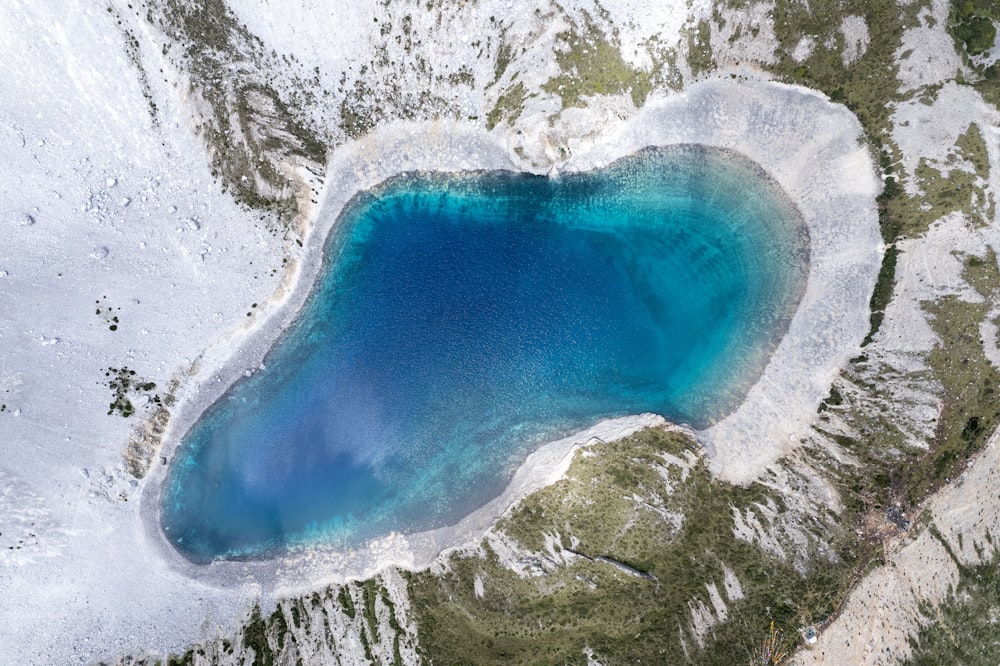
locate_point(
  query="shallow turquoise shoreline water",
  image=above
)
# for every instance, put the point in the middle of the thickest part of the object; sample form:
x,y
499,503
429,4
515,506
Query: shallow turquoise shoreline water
x,y
461,320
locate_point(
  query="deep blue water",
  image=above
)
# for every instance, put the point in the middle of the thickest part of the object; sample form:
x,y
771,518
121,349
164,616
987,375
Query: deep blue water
x,y
461,320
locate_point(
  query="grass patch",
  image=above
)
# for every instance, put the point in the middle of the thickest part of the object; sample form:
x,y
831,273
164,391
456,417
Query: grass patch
x,y
368,595
508,107
970,24
883,292
963,628
591,63
959,190
620,504
346,602
699,49
255,639
972,147
868,86
891,470
970,408
504,53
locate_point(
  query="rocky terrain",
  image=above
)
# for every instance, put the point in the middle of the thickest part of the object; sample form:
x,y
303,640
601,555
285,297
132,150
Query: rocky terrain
x,y
166,170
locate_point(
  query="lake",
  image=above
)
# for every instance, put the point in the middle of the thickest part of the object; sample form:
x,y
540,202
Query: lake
x,y
461,320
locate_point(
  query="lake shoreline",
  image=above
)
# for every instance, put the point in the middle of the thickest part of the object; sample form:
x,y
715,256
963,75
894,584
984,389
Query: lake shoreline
x,y
766,122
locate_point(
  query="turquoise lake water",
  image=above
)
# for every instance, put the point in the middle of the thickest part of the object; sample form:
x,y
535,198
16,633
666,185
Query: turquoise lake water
x,y
461,320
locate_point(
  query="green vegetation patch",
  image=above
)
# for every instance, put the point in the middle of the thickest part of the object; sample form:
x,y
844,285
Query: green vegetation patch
x,y
665,74
892,471
699,49
369,595
972,26
972,146
416,86
346,602
963,629
868,86
508,107
255,638
249,129
124,383
882,294
976,33
961,189
504,53
637,546
970,409
591,63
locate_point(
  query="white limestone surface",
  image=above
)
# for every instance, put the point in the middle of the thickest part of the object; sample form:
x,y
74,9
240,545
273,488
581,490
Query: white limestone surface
x,y
856,38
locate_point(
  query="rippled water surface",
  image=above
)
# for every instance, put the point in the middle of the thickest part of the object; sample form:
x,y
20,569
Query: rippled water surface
x,y
461,320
